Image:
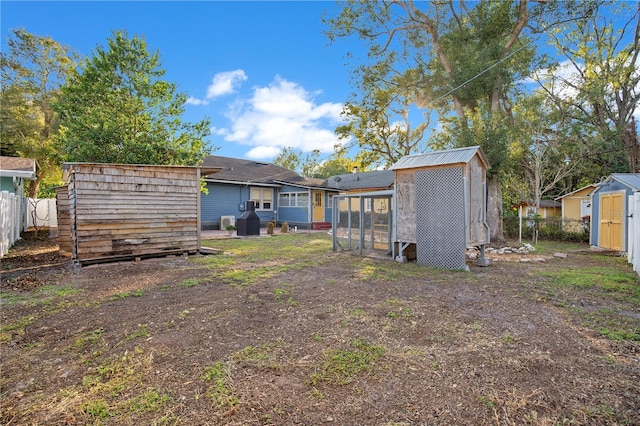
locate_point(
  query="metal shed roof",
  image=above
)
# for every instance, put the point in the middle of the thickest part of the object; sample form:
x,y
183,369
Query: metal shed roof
x,y
362,180
632,180
440,158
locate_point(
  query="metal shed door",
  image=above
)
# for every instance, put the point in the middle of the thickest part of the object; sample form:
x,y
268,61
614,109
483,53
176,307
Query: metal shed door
x,y
440,218
611,226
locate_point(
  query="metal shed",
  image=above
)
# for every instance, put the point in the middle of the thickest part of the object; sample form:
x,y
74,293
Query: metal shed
x,y
441,205
115,211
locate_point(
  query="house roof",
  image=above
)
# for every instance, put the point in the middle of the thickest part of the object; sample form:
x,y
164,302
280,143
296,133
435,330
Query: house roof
x,y
632,180
359,181
18,167
546,204
250,171
592,187
440,158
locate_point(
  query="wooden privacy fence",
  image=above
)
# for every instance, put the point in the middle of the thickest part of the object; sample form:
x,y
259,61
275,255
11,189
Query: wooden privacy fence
x,y
11,217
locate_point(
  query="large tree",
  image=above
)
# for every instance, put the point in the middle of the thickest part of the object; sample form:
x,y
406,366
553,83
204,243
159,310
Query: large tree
x,y
598,83
33,70
116,108
466,57
379,120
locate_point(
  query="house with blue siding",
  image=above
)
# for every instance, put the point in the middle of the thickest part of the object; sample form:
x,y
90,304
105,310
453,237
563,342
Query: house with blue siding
x,y
279,195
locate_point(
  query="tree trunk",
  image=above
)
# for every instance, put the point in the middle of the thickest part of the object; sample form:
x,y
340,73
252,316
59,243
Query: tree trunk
x,y
494,208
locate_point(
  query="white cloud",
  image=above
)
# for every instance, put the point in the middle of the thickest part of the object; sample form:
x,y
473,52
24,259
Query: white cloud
x,y
261,152
223,83
195,101
280,115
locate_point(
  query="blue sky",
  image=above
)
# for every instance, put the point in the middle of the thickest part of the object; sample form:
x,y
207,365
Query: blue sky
x,y
263,71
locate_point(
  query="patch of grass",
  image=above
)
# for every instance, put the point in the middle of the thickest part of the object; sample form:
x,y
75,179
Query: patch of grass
x,y
184,314
219,391
264,354
284,247
399,309
610,324
283,294
142,331
88,338
125,294
59,291
6,331
341,366
151,400
96,409
190,282
215,262
368,269
615,283
551,247
357,312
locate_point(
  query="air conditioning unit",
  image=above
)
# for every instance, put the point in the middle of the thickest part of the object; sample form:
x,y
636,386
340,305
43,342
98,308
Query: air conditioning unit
x,y
227,221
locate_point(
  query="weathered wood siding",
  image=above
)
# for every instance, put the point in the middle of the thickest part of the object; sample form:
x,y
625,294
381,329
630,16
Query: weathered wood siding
x,y
474,175
133,210
406,206
64,222
476,179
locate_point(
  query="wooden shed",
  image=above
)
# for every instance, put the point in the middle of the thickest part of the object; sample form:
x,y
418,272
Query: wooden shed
x,y
441,205
610,211
120,211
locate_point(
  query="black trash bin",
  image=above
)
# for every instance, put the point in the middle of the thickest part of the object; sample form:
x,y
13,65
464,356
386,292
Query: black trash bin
x,y
249,222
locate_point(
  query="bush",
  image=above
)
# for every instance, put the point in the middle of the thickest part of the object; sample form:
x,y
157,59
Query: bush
x,y
551,229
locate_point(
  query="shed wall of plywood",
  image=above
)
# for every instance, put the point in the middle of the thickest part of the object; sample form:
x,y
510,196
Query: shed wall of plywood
x,y
121,210
405,206
476,179
64,223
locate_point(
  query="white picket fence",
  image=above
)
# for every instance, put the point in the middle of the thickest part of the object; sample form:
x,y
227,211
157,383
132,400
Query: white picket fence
x,y
18,214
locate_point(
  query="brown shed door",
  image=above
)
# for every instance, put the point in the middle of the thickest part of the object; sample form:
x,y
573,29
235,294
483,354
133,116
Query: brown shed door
x,y
611,216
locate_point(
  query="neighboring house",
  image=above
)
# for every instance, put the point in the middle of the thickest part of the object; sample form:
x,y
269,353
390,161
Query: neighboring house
x,y
576,208
547,209
13,205
280,195
14,171
609,210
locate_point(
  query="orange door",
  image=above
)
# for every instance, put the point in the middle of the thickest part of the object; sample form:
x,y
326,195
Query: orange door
x,y
611,217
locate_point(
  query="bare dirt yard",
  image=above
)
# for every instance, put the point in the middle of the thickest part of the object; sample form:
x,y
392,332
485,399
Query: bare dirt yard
x,y
282,330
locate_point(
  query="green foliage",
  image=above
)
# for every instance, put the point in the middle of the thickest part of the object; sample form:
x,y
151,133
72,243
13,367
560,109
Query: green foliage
x,y
117,109
602,52
33,69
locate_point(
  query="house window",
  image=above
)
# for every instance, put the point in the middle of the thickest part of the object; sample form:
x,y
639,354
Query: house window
x,y
330,201
283,200
262,198
293,199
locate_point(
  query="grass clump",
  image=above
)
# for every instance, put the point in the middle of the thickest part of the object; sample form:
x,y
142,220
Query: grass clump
x,y
341,366
219,391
